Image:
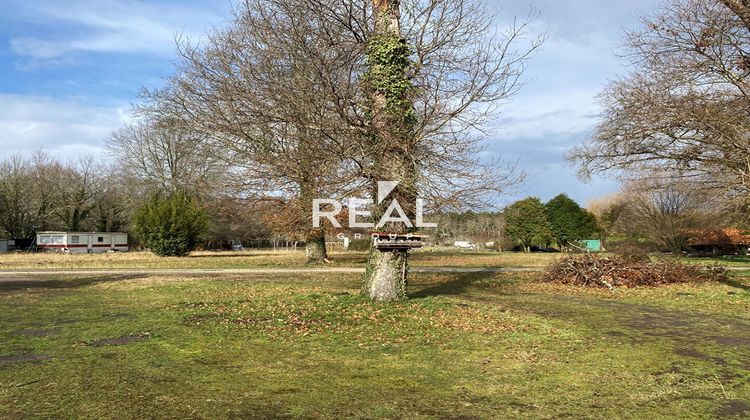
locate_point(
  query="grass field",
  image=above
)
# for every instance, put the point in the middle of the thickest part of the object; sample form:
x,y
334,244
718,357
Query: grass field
x,y
261,258
465,346
727,260
433,257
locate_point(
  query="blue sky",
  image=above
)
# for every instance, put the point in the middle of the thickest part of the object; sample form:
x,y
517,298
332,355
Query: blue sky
x,y
70,70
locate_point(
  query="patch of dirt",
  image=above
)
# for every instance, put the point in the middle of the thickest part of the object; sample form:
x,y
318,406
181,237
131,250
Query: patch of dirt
x,y
734,408
676,326
730,337
22,358
720,340
35,333
120,341
732,341
695,354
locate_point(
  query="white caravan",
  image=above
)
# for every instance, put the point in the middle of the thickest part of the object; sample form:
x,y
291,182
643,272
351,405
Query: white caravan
x,y
82,242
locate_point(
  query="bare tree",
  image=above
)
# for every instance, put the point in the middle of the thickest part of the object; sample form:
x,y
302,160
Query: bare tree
x,y
608,211
42,193
79,187
236,220
163,155
18,213
115,202
666,214
46,175
262,91
686,108
294,92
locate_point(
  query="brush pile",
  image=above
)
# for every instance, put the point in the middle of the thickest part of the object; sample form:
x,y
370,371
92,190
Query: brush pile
x,y
629,270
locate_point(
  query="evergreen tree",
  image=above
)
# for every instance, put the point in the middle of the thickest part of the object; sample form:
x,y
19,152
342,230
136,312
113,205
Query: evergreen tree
x,y
569,222
171,225
526,222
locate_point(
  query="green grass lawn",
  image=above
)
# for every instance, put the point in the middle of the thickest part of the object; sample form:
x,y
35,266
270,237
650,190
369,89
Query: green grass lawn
x,y
433,257
726,260
465,346
262,259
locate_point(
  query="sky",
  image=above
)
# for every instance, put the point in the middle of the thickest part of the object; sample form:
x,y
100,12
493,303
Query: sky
x,y
70,71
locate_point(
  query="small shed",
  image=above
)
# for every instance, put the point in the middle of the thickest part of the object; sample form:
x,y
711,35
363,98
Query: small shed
x,y
592,245
82,242
6,245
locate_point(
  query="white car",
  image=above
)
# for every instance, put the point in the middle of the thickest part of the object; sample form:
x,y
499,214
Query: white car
x,y
464,245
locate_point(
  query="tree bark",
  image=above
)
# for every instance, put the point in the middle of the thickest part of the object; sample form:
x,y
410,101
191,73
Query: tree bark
x,y
315,239
315,247
392,108
741,8
386,275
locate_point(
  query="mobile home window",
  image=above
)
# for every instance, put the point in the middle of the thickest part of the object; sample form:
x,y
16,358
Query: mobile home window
x,y
50,240
100,239
75,239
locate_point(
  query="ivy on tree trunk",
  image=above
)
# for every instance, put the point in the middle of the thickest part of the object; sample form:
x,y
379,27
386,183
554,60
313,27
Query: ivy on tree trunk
x,y
392,122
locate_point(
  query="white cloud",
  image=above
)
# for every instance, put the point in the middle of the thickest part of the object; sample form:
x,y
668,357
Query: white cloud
x,y
108,26
551,114
68,128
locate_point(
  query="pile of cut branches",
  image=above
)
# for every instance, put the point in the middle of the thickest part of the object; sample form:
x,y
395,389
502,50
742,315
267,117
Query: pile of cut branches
x,y
613,271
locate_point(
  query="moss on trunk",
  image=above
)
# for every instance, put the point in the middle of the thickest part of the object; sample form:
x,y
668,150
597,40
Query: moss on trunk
x,y
393,119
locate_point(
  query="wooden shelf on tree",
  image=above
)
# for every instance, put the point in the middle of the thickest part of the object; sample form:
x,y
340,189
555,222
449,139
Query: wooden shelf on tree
x,y
397,241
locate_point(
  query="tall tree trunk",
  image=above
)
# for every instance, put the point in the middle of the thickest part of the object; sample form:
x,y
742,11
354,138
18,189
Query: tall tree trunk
x,y
315,239
315,247
393,120
386,275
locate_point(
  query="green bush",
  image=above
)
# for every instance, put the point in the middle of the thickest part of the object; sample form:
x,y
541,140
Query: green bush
x,y
171,226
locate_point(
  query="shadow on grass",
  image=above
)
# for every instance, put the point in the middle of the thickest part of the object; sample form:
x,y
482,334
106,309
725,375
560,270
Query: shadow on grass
x,y
454,287
223,256
736,284
21,284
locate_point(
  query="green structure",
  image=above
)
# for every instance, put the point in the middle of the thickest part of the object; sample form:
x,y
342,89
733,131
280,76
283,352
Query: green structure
x,y
592,245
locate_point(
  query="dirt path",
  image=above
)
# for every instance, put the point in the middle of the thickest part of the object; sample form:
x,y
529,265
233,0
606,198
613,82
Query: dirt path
x,y
12,275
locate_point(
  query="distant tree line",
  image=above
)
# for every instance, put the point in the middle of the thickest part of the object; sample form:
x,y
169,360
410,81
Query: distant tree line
x,y
477,227
41,193
153,164
523,225
655,215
